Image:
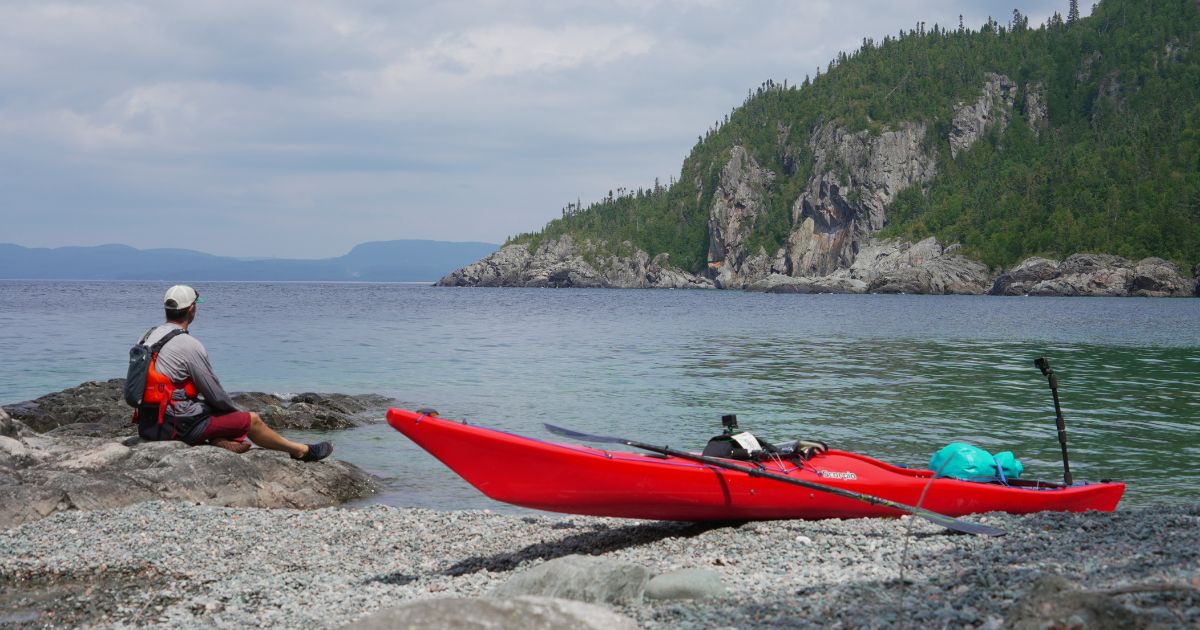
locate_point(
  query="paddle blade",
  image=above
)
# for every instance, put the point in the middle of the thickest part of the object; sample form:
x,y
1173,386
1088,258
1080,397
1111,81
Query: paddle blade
x,y
957,525
582,437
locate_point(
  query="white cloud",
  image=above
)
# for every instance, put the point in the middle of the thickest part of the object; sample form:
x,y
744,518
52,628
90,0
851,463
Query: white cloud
x,y
306,126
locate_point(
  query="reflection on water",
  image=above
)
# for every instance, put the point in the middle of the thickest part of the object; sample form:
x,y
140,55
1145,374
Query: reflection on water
x,y
892,376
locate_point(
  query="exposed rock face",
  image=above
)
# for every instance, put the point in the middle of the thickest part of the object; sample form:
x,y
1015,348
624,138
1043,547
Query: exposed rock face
x,y
892,266
526,613
994,107
96,408
1035,107
43,474
1085,66
1196,277
895,266
835,283
642,272
856,176
562,263
1155,277
1094,275
503,268
737,202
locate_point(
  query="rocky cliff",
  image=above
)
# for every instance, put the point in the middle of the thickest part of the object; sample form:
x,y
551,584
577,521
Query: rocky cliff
x,y
737,203
849,179
855,177
563,263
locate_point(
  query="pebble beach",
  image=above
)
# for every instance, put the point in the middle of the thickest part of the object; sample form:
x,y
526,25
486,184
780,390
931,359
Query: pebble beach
x,y
173,564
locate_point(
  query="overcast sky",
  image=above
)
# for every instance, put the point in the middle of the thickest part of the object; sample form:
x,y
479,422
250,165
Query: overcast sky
x,y
299,129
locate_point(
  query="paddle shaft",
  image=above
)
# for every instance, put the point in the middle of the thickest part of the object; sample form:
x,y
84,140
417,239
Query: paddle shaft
x,y
1044,366
939,519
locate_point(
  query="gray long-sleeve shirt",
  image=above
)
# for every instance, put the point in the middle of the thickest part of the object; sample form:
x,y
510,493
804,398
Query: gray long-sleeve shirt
x,y
185,357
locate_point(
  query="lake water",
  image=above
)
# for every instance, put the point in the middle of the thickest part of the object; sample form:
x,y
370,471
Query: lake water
x,y
892,376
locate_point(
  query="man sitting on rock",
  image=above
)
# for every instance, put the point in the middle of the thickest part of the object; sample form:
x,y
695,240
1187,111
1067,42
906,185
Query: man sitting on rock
x,y
199,411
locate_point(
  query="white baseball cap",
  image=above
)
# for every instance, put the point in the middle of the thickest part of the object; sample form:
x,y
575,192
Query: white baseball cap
x,y
180,297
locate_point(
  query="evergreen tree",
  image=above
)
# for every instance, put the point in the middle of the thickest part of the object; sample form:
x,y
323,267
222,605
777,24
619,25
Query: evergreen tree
x,y
1073,12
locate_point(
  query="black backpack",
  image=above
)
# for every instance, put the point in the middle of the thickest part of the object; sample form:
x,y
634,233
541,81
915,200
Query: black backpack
x,y
140,356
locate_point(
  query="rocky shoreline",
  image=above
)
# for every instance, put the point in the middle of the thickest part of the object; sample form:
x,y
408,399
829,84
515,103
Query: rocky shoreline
x,y
182,565
882,266
76,450
98,529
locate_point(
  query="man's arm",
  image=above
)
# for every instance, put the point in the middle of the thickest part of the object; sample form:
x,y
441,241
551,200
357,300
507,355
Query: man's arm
x,y
207,384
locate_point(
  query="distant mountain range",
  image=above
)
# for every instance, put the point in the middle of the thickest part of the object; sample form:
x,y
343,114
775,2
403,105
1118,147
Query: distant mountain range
x,y
381,261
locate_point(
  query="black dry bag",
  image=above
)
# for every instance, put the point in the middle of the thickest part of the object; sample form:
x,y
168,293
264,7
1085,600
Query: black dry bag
x,y
140,356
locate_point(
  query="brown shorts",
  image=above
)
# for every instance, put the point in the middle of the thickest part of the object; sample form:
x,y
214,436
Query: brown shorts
x,y
230,426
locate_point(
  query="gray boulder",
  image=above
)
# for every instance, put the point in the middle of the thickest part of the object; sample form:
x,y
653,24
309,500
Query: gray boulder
x,y
98,406
896,266
686,584
521,613
583,578
1155,277
1027,274
49,473
836,283
1093,275
9,427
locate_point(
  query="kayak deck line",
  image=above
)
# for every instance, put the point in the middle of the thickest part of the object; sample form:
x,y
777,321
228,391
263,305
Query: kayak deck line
x,y
579,479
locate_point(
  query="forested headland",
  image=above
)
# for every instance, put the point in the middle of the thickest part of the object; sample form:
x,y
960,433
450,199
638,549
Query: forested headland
x,y
1110,163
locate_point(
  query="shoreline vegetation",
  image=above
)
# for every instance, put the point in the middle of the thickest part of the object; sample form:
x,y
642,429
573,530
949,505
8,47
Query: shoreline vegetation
x,y
109,551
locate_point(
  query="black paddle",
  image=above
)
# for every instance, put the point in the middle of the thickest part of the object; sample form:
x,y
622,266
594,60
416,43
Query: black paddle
x,y
1044,365
933,517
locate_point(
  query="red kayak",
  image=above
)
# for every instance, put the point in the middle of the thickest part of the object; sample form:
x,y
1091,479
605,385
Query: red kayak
x,y
585,480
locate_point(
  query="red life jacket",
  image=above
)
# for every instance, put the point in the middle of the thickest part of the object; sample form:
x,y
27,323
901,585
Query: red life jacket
x,y
160,390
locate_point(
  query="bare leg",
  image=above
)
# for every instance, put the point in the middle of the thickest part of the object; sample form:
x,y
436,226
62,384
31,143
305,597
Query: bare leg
x,y
266,437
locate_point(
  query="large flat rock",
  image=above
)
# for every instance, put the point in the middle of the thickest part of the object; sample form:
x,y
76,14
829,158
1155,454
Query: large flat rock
x,y
41,474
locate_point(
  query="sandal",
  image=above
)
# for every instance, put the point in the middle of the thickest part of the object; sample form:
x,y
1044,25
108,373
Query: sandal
x,y
317,452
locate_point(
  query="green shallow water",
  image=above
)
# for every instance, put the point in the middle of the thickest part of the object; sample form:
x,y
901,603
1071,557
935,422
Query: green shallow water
x,y
891,376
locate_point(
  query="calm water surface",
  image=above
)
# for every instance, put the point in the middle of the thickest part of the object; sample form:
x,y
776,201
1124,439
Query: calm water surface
x,y
892,376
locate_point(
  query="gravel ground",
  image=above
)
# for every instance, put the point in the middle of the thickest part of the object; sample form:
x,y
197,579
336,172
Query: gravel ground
x,y
182,565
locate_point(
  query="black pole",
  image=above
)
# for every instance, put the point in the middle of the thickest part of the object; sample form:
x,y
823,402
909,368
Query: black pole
x,y
1044,366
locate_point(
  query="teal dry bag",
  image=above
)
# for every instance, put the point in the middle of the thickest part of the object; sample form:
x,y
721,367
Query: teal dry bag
x,y
963,461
